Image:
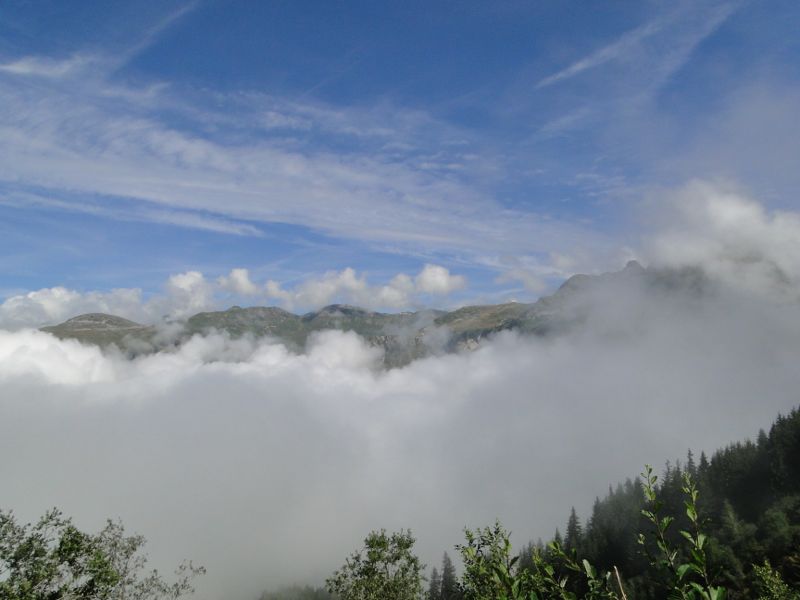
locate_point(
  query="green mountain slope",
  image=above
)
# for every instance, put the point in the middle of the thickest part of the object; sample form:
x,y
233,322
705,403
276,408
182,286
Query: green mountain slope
x,y
103,330
403,336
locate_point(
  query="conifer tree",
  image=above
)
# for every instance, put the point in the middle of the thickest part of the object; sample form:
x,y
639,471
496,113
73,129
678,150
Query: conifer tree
x,y
435,587
691,468
450,589
574,532
703,463
557,538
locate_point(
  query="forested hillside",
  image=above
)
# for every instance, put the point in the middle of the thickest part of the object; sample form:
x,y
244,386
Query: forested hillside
x,y
748,506
728,526
749,497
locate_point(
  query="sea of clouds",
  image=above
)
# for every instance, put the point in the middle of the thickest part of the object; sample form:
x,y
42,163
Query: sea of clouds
x,y
269,467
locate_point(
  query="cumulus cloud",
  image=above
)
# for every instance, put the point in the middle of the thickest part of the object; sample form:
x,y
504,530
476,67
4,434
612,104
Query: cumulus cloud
x,y
343,284
184,294
53,305
347,286
734,238
238,281
434,279
188,293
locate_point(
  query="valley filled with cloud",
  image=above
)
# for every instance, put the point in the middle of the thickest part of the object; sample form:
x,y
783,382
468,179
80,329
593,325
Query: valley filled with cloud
x,y
415,265
267,465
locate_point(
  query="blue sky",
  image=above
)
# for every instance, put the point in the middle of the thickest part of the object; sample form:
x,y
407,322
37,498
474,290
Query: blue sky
x,y
511,143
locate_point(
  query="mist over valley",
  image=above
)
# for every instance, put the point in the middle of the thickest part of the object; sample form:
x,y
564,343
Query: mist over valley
x,y
396,301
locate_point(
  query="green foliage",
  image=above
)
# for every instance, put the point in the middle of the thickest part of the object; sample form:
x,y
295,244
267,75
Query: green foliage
x,y
489,566
492,572
750,512
595,585
385,569
690,577
52,559
771,585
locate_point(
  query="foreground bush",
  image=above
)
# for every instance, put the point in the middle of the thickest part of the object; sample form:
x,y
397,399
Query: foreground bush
x,y
52,559
386,569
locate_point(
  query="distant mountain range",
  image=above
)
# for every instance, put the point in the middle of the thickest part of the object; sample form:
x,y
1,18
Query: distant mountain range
x,y
403,336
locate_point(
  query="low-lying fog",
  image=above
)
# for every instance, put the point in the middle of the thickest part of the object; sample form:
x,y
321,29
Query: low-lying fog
x,y
269,467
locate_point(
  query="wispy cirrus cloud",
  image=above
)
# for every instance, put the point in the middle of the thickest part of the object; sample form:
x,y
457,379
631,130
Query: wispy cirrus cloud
x,y
123,210
621,48
122,148
78,137
621,82
656,49
38,66
391,177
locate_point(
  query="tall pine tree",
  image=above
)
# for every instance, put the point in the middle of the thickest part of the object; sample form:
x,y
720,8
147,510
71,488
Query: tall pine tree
x,y
450,589
574,531
435,588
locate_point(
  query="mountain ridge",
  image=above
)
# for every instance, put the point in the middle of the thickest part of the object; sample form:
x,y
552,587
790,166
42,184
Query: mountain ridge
x,y
404,336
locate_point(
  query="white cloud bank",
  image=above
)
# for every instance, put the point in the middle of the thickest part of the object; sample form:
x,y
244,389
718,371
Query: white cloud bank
x,y
732,236
434,279
191,292
714,225
184,294
53,305
269,467
401,292
238,281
